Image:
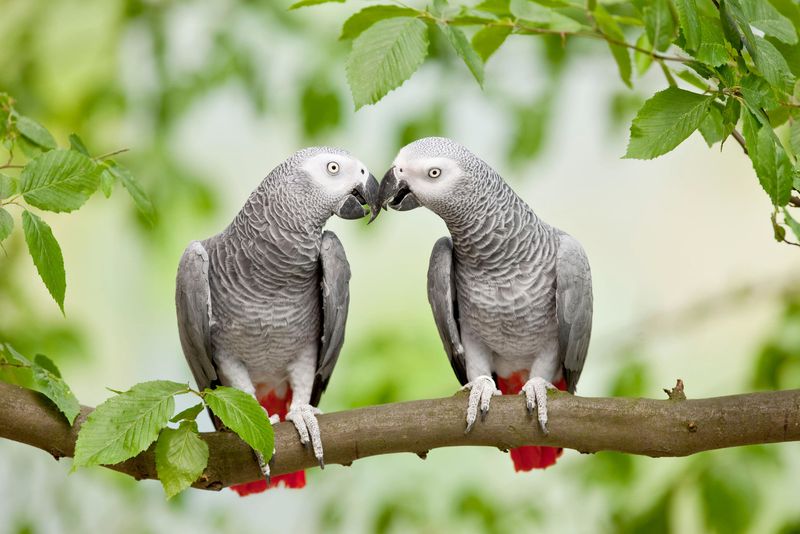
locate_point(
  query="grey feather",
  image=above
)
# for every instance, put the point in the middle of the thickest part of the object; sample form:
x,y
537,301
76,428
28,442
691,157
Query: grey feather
x,y
335,302
442,298
573,307
193,303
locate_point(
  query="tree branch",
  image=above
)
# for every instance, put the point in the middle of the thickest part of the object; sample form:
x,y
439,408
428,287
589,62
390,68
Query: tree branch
x,y
636,426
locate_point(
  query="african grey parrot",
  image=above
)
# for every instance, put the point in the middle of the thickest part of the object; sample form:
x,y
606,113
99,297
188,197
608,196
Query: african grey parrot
x,y
511,295
262,305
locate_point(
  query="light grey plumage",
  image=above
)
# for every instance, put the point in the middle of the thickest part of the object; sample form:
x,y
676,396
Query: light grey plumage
x,y
262,306
511,295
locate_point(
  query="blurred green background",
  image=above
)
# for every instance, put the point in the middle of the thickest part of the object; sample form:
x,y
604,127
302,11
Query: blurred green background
x,y
209,96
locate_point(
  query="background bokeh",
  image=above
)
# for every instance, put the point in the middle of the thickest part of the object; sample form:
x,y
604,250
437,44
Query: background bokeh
x,y
209,96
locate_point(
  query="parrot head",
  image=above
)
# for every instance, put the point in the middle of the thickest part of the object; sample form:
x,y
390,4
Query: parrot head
x,y
434,172
340,183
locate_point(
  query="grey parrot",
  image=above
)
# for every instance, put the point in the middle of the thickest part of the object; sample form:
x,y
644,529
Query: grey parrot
x,y
511,295
262,305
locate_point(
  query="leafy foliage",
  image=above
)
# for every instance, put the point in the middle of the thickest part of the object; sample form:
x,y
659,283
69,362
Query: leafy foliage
x,y
181,457
741,55
241,413
42,375
53,179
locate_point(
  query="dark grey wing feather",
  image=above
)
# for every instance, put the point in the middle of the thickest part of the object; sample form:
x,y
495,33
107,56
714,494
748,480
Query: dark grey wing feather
x,y
442,297
193,302
335,302
573,307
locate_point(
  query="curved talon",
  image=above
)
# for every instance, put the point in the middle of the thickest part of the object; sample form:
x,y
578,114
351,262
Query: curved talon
x,y
305,421
535,391
481,391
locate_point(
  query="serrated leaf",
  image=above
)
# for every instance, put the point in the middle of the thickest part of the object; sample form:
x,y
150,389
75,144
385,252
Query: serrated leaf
x,y
35,133
621,55
306,3
543,17
659,24
189,414
689,19
487,40
762,15
773,65
712,49
59,180
641,59
76,144
664,121
136,192
126,424
757,92
384,56
794,137
773,168
54,388
358,22
736,27
464,49
181,457
712,128
46,254
792,223
107,182
241,413
8,186
497,7
6,224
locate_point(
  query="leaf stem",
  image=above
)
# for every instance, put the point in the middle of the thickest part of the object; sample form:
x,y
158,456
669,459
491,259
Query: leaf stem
x,y
110,154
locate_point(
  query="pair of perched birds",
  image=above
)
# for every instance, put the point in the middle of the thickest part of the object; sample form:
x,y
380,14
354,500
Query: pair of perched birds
x,y
262,306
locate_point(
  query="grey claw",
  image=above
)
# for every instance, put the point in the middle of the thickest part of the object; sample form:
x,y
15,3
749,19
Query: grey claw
x,y
469,427
543,426
530,408
268,478
483,414
321,462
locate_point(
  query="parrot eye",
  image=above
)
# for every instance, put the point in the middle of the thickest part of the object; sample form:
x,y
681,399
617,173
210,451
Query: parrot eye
x,y
434,172
333,168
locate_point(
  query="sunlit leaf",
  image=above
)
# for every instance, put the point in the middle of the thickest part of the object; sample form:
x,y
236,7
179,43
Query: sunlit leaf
x,y
306,3
59,180
6,224
35,133
181,457
358,22
46,254
487,40
762,15
464,49
621,55
241,413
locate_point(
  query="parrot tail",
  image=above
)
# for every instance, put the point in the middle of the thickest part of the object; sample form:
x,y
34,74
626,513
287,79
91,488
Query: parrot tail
x,y
529,457
280,406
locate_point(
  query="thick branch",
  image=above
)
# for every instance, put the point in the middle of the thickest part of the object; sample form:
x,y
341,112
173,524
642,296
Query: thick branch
x,y
637,426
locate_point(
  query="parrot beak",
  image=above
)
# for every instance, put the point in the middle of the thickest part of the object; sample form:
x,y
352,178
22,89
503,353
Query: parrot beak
x,y
396,194
364,194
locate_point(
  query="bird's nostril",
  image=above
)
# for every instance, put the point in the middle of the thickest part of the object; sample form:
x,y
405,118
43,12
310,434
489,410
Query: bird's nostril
x,y
362,171
401,170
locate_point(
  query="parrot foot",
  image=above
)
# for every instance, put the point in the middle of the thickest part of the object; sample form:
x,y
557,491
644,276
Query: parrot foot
x,y
481,391
535,391
305,421
274,419
264,466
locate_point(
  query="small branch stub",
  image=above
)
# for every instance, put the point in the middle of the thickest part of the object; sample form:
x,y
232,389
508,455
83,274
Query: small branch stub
x,y
676,393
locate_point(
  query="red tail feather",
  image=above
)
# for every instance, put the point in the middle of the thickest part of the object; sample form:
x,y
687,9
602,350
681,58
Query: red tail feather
x,y
280,406
532,457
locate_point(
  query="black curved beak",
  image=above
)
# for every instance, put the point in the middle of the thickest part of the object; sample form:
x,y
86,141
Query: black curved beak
x,y
366,194
396,194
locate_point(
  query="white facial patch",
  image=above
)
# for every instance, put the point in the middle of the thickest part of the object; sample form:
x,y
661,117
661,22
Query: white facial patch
x,y
427,177
335,173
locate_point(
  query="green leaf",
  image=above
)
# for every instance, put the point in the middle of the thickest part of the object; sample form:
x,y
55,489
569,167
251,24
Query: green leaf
x,y
712,49
76,144
756,92
241,413
736,27
690,77
773,65
640,59
659,24
8,186
689,19
773,168
35,133
320,107
609,27
762,15
487,40
666,120
49,382
181,457
46,254
306,3
464,49
357,23
189,414
791,222
107,182
6,224
500,8
59,180
384,56
46,379
712,128
543,17
794,137
126,424
136,192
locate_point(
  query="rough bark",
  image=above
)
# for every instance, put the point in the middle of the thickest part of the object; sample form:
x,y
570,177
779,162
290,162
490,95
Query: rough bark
x,y
636,426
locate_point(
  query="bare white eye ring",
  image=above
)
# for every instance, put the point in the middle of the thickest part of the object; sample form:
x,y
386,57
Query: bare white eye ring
x,y
333,168
434,173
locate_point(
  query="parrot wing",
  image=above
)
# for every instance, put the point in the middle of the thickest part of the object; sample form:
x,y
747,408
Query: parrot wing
x,y
193,302
573,307
335,302
442,297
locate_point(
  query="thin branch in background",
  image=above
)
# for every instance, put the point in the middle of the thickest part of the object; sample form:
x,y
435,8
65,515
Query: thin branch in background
x,y
739,139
